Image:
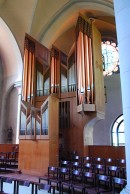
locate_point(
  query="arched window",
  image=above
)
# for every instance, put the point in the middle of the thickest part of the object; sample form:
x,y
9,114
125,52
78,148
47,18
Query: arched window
x,y
110,58
118,136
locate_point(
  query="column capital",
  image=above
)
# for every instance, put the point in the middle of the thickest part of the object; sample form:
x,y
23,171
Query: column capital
x,y
18,85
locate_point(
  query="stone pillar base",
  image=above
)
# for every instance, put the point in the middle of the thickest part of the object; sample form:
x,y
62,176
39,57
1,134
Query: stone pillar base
x,y
125,191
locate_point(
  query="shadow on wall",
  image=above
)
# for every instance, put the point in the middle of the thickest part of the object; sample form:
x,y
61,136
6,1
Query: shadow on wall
x,y
99,133
1,87
11,108
93,136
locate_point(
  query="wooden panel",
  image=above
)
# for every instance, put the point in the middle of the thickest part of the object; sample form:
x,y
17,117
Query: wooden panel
x,y
86,107
72,138
42,53
36,155
98,71
7,147
53,131
67,95
33,156
105,151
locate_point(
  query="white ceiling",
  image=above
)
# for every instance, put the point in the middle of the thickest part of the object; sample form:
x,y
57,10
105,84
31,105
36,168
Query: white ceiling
x,y
53,21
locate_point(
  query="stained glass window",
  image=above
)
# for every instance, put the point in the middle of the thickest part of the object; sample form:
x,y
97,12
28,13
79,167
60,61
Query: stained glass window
x,y
110,58
118,136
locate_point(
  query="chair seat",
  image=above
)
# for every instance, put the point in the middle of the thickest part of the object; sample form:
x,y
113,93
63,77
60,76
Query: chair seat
x,y
66,183
103,183
44,178
118,184
45,187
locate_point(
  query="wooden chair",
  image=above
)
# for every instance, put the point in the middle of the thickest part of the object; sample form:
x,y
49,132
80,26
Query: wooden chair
x,y
11,160
78,182
65,163
8,180
63,176
73,153
45,187
89,179
117,184
99,169
57,176
75,182
113,171
86,159
3,162
24,183
123,173
67,183
121,162
53,176
109,162
98,160
103,183
88,167
76,166
78,159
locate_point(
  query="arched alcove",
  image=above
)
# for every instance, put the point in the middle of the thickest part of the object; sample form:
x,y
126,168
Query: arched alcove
x,y
88,133
11,65
11,111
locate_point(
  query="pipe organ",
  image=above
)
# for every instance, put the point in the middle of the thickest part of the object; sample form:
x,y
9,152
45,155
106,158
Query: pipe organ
x,y
28,75
52,72
52,83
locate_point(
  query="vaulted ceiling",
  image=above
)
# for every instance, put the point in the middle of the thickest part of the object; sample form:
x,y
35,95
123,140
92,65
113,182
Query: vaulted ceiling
x,y
53,22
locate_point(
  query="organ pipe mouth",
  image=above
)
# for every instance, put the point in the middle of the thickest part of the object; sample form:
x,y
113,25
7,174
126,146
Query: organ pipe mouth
x,y
92,19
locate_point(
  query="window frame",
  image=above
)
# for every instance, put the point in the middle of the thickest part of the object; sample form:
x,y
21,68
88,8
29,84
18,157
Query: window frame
x,y
115,131
108,68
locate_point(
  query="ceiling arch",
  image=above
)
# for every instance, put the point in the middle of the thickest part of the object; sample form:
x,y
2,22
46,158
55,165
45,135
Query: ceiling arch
x,y
10,53
66,18
49,22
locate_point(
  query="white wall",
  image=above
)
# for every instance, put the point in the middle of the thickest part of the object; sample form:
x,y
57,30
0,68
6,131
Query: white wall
x,y
113,108
9,106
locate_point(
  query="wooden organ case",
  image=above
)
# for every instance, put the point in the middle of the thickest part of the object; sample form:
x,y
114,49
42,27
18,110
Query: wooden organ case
x,y
39,124
60,95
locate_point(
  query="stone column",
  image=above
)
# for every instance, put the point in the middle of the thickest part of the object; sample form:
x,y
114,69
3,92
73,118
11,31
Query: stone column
x,y
122,17
18,85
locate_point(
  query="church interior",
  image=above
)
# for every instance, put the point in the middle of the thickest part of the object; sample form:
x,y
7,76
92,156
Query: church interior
x,y
61,94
